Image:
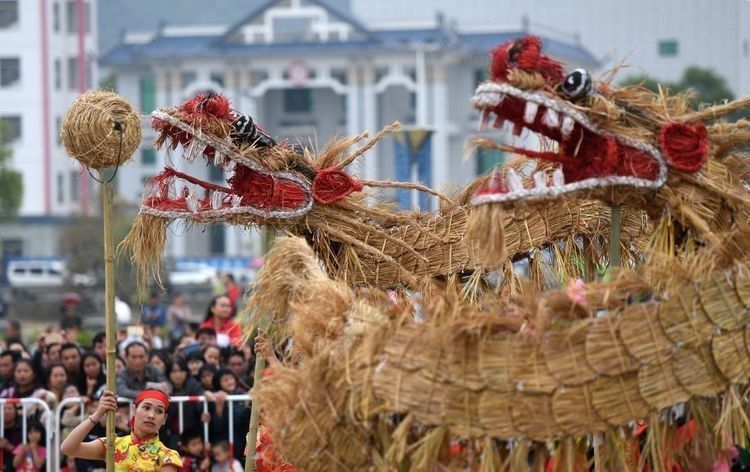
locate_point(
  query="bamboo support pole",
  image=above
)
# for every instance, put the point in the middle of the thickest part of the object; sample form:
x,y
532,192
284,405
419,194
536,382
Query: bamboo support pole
x,y
109,313
615,227
252,434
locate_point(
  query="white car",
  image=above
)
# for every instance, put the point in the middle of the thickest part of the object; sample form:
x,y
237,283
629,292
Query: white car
x,y
192,273
44,273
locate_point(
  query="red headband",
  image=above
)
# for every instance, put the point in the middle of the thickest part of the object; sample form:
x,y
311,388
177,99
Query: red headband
x,y
153,394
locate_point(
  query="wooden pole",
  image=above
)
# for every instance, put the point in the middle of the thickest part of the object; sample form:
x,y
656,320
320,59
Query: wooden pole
x,y
109,313
252,434
615,218
615,230
260,366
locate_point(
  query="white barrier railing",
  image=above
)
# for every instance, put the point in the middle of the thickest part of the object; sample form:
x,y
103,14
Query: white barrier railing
x,y
179,400
24,402
82,402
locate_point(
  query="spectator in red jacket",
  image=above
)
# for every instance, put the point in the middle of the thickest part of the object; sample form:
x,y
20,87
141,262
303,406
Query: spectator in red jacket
x,y
232,290
219,317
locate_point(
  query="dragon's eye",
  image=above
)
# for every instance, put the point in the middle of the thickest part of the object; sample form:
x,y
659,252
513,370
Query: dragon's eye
x,y
577,84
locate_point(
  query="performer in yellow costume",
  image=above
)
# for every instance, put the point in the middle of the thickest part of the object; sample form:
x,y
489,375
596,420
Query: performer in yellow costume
x,y
140,451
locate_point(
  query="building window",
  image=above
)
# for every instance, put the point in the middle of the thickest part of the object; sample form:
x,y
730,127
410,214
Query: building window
x,y
75,183
10,129
58,74
89,73
8,13
215,174
187,78
217,241
480,75
218,78
148,157
73,73
58,130
298,100
71,16
668,48
60,187
148,94
488,159
10,71
12,247
56,17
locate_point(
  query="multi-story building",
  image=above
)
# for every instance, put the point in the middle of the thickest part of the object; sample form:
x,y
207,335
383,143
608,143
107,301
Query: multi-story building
x,y
307,72
660,38
48,53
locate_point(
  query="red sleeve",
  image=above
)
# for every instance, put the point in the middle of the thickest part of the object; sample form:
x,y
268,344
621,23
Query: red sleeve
x,y
235,334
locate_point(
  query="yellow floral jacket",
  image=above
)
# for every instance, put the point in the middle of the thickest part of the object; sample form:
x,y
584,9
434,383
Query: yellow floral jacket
x,y
134,455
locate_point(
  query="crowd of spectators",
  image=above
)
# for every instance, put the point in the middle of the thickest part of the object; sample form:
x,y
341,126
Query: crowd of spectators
x,y
170,347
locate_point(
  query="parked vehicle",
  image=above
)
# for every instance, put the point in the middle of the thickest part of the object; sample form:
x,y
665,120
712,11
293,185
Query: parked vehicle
x,y
44,273
192,273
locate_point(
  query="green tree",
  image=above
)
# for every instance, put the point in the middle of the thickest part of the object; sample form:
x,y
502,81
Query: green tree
x,y
82,244
706,86
11,181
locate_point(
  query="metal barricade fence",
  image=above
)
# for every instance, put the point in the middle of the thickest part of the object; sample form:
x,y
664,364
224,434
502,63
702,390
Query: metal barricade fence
x,y
82,402
179,400
24,402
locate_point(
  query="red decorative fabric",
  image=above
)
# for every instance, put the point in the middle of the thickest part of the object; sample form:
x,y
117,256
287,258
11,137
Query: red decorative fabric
x,y
525,54
199,109
228,327
264,191
157,395
685,146
332,185
214,105
495,185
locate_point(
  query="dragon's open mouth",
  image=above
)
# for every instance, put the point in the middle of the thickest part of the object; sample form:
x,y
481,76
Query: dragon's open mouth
x,y
587,156
250,190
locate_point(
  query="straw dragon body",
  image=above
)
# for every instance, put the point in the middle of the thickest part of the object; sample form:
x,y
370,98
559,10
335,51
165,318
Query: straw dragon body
x,y
546,373
388,384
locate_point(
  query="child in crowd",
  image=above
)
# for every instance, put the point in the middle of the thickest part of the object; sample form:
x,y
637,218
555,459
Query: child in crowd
x,y
194,456
206,376
223,460
30,457
195,361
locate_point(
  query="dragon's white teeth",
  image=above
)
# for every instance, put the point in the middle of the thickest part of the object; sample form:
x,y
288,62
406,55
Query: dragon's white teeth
x,y
550,118
194,150
192,202
558,177
514,181
218,158
490,99
540,179
567,126
230,166
484,120
529,113
236,201
217,200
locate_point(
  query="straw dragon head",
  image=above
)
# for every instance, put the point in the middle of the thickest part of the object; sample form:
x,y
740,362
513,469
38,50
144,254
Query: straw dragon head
x,y
264,179
595,137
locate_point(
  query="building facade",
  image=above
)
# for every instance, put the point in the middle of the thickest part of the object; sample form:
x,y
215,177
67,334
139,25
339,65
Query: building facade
x,y
661,38
48,53
308,72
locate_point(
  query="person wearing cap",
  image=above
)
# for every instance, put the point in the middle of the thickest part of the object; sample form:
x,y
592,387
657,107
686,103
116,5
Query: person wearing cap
x,y
140,450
